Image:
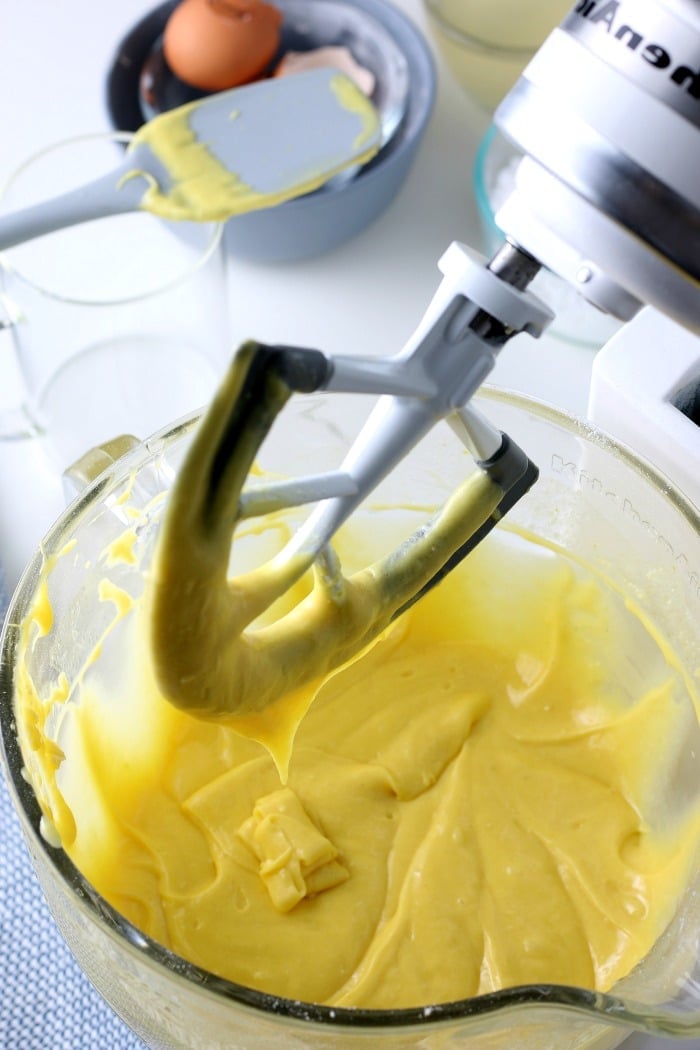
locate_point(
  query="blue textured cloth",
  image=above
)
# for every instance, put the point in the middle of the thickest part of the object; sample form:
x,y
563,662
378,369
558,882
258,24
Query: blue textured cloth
x,y
46,1003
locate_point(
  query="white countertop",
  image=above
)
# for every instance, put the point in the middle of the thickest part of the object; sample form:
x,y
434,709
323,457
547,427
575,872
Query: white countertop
x,y
367,296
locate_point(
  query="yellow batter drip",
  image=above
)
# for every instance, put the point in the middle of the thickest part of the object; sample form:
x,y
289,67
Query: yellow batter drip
x,y
476,802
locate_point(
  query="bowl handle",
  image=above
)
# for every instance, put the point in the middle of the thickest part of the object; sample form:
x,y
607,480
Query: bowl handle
x,y
83,472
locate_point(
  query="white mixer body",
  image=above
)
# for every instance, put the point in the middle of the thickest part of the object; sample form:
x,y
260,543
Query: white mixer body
x,y
645,391
607,116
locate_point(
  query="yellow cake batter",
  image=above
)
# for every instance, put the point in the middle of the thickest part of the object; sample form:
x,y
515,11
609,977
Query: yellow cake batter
x,y
476,802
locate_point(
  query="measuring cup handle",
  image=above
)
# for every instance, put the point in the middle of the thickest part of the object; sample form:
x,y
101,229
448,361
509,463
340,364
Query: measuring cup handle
x,y
83,472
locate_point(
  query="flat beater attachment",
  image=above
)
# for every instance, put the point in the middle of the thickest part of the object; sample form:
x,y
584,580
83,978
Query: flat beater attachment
x,y
474,312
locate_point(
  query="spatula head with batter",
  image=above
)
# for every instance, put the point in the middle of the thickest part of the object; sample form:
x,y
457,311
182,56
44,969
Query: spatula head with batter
x,y
237,151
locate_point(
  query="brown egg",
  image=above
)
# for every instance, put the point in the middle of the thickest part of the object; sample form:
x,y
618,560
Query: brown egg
x,y
219,44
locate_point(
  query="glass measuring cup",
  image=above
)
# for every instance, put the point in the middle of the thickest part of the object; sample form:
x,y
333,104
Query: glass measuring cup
x,y
116,325
595,500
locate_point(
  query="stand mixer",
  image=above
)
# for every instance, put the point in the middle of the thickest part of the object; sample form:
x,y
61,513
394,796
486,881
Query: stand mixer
x,y
606,116
607,195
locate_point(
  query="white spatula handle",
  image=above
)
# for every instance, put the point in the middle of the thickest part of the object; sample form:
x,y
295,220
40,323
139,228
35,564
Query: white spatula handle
x,y
95,200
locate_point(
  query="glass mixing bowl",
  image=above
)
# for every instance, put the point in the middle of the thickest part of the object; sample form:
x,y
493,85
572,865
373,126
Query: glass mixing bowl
x,y
594,499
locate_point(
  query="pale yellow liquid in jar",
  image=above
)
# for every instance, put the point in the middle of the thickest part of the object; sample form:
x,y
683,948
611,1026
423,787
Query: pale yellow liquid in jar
x,y
486,44
481,800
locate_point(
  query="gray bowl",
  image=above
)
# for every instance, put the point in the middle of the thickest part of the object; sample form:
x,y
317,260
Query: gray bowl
x,y
321,221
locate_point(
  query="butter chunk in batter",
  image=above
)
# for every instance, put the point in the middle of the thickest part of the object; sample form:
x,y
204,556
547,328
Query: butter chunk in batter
x,y
296,859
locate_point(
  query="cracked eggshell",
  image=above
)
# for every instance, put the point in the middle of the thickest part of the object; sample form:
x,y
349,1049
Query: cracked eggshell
x,y
335,57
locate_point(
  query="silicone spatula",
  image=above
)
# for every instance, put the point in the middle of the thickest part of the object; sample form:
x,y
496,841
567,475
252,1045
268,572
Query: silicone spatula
x,y
262,144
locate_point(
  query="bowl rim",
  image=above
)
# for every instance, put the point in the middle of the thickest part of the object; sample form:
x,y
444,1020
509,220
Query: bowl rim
x,y
602,1007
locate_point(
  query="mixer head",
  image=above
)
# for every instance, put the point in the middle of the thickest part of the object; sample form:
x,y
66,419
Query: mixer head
x,y
607,116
